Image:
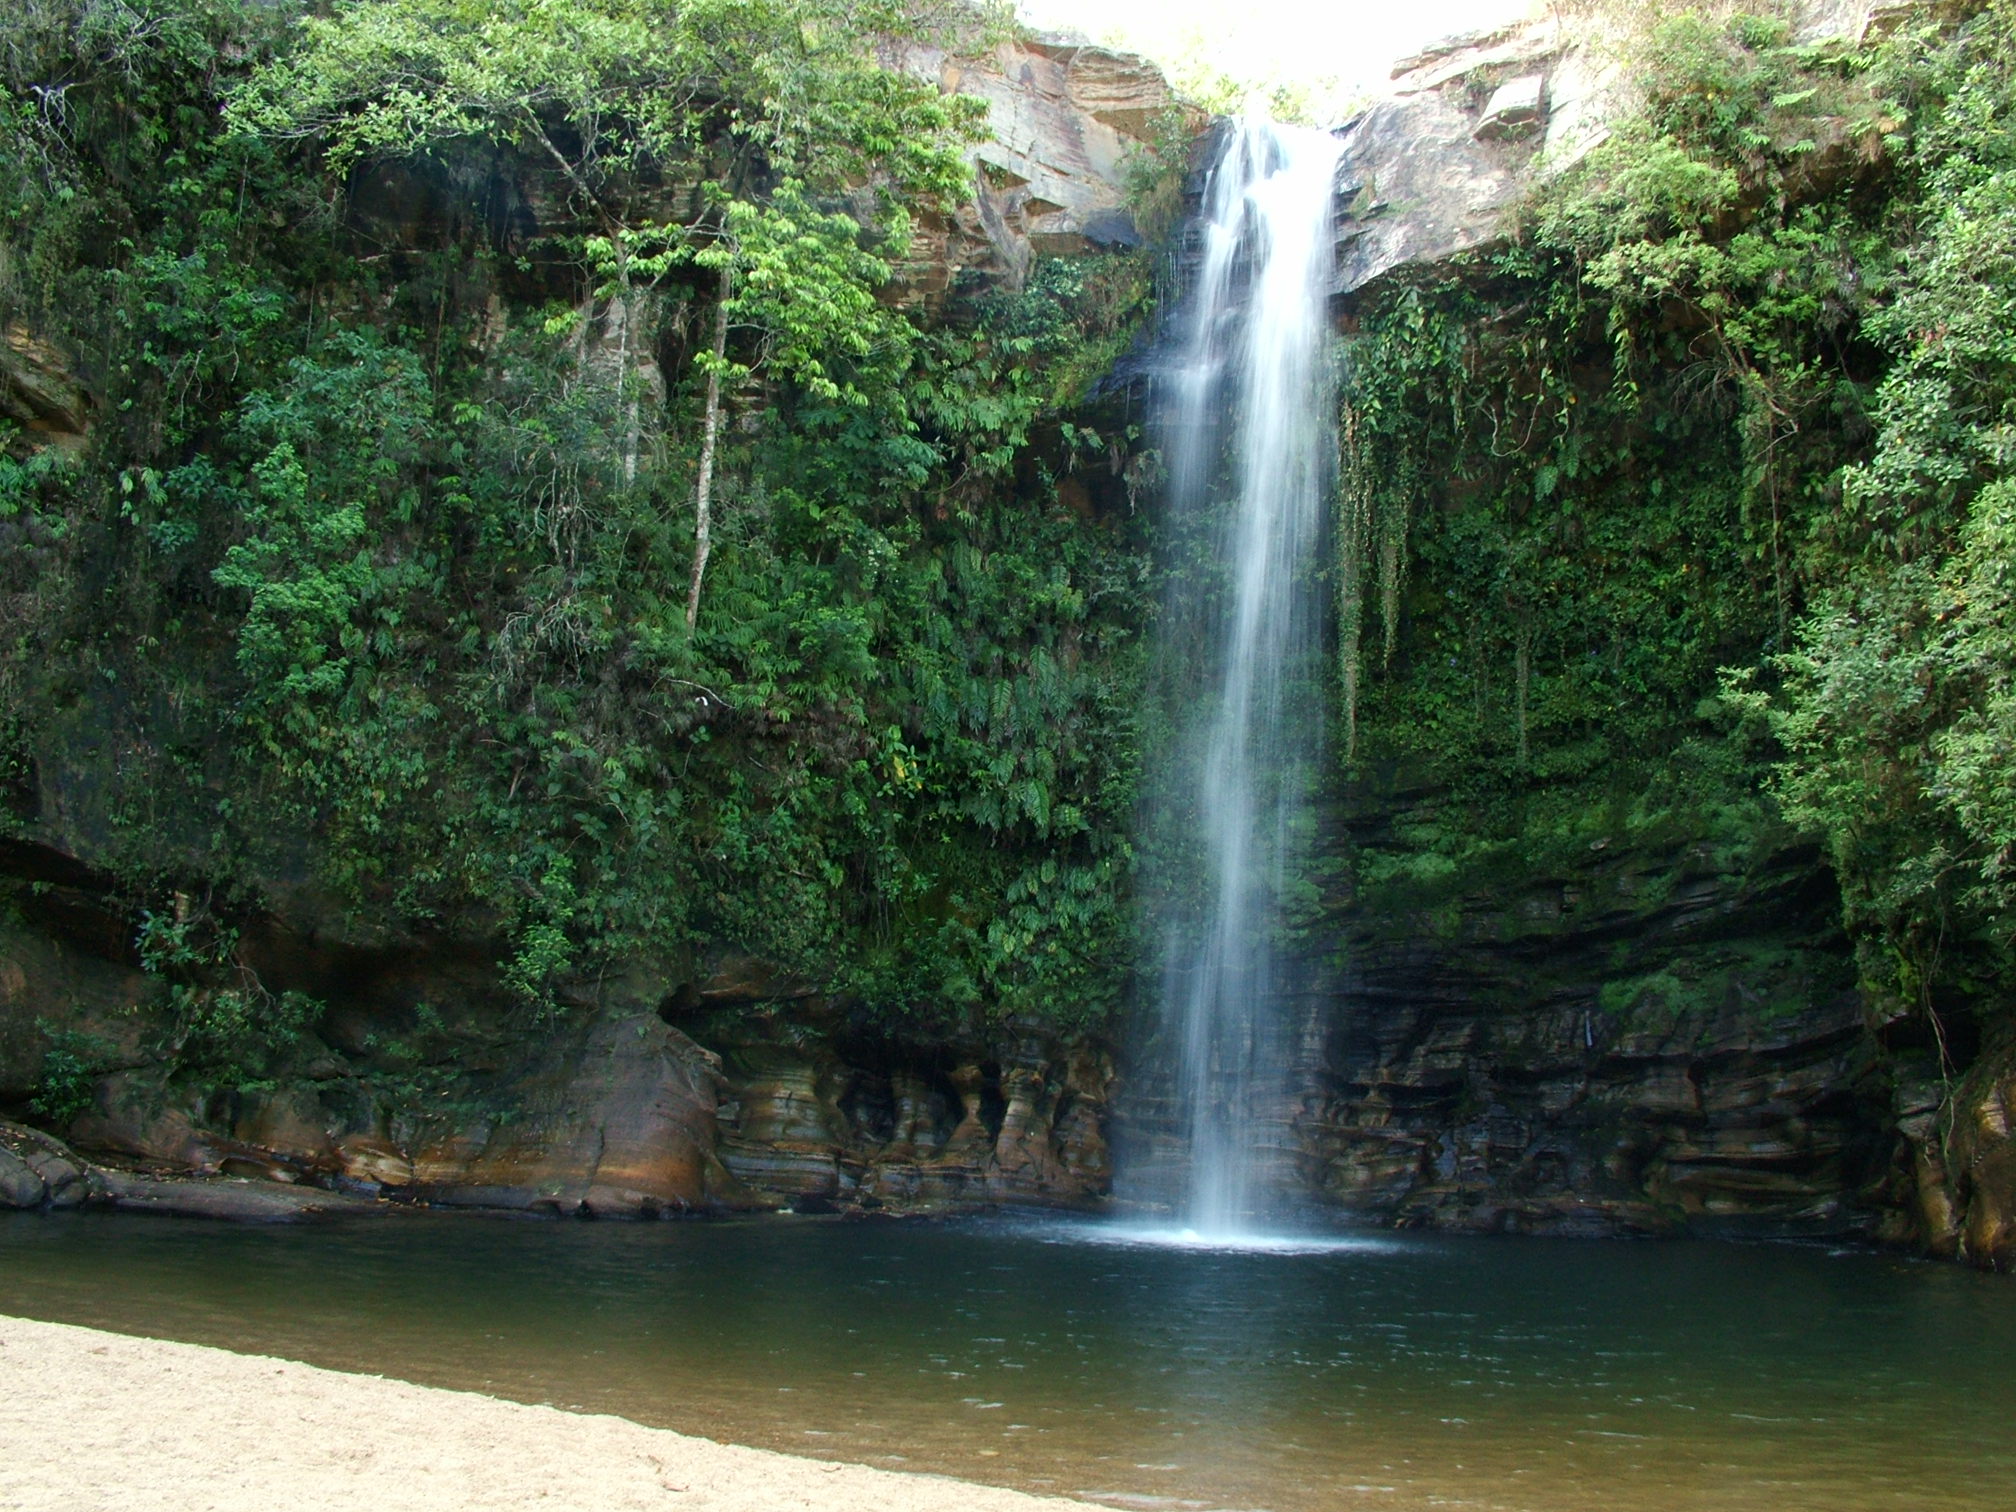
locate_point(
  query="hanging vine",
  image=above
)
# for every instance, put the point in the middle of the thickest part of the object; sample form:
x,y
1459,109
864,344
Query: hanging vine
x,y
1400,395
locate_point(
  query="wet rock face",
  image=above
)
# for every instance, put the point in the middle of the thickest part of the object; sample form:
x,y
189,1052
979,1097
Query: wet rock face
x,y
1554,1119
1647,1040
840,1118
1646,1046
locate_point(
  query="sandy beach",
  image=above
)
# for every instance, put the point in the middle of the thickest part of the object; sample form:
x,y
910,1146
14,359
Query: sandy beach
x,y
98,1420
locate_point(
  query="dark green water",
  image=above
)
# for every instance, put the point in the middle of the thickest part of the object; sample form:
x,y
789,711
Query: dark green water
x,y
1400,1373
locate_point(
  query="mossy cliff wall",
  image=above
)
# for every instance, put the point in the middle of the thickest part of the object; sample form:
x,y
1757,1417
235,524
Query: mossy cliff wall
x,y
376,821
1660,888
383,807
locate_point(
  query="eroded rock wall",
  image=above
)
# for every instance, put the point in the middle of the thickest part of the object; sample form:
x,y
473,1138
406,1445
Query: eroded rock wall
x,y
829,1115
1644,1037
420,1078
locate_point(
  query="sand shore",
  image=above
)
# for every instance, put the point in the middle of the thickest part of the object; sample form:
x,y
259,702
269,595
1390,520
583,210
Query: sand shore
x,y
98,1420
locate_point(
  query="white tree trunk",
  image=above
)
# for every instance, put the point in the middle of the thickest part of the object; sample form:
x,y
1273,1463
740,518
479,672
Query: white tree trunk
x,y
710,431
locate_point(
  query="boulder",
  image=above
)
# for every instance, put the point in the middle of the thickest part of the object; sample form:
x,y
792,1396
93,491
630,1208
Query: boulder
x,y
39,1171
1517,109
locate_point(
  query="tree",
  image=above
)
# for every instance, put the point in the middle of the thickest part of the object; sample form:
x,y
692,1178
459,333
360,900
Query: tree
x,y
808,149
1898,702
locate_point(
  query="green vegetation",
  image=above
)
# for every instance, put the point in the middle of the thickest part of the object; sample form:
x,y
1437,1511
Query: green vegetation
x,y
72,1062
1724,543
1895,706
416,333
224,1023
525,502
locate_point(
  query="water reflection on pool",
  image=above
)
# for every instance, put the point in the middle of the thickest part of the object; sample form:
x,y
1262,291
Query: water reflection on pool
x,y
1136,1368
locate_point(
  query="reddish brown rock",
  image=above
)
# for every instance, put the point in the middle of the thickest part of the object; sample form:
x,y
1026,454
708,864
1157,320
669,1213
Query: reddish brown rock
x,y
1013,1117
618,1121
40,393
1973,1196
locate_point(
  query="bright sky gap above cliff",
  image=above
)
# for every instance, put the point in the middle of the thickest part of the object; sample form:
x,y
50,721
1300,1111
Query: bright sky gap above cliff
x,y
1346,42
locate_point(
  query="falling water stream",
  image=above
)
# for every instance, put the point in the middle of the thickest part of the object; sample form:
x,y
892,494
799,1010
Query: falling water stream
x,y
1249,424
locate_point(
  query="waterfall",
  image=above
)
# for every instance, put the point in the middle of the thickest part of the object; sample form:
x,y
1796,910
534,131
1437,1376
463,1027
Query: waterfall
x,y
1248,421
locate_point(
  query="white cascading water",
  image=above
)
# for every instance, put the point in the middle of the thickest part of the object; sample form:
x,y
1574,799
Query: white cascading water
x,y
1250,436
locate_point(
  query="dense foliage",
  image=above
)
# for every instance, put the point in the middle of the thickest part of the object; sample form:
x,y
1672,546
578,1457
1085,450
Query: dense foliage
x,y
369,595
415,340
1725,543
1896,705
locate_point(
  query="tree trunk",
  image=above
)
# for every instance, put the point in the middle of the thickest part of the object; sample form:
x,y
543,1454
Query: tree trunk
x,y
710,431
623,308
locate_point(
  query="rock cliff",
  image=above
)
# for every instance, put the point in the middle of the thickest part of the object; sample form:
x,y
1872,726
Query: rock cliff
x,y
1645,1035
1439,163
1639,1038
1065,124
423,1080
682,1086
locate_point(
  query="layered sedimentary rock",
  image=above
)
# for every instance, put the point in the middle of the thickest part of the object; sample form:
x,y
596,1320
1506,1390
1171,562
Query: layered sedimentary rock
x,y
839,1117
422,1080
1641,1038
1647,1039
